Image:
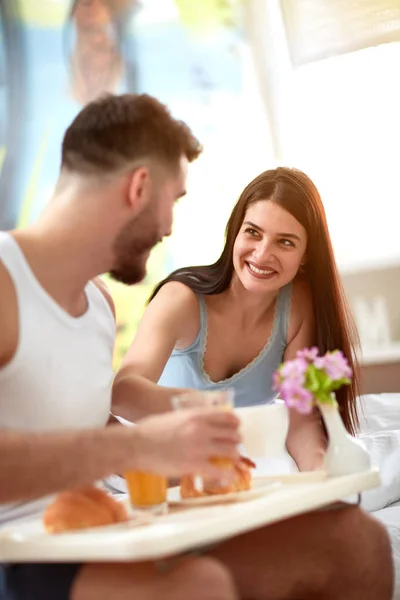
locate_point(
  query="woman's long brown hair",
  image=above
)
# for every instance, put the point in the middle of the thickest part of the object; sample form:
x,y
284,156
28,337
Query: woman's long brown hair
x,y
334,326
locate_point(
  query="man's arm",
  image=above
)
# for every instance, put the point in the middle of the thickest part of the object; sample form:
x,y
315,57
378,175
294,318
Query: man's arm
x,y
306,442
37,464
171,319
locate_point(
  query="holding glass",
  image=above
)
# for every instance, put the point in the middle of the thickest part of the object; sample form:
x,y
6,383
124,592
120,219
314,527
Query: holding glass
x,y
220,400
147,491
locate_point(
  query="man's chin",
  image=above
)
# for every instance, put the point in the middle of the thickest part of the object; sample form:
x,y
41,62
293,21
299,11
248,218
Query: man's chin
x,y
128,278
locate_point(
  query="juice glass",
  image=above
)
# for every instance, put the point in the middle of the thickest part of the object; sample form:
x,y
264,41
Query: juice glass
x,y
147,491
220,400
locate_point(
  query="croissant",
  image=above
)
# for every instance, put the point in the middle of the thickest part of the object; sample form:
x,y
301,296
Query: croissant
x,y
241,482
82,508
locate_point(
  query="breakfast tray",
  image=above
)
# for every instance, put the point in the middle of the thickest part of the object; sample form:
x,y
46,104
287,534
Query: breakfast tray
x,y
181,530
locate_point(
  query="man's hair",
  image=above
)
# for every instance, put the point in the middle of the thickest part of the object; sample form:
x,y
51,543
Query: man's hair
x,y
113,132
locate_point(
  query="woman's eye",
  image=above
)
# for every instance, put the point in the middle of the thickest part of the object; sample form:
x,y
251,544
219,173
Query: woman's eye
x,y
251,231
286,242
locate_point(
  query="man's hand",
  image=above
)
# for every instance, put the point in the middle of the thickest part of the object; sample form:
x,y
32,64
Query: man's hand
x,y
183,442
173,444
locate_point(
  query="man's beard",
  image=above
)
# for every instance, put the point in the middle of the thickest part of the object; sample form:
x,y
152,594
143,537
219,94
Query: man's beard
x,y
134,241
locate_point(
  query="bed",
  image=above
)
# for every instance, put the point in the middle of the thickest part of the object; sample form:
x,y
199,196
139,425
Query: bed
x,y
390,517
380,431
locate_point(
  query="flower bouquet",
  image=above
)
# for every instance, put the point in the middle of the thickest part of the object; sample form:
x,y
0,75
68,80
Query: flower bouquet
x,y
311,380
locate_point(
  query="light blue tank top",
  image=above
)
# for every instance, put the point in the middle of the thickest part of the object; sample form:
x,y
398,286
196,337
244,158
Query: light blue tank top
x,y
253,383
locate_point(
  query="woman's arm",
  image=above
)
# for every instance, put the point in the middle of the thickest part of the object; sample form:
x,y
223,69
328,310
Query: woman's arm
x,y
306,441
171,320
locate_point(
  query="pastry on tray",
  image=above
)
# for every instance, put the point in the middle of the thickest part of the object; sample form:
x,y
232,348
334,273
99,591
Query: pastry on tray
x,y
81,508
242,482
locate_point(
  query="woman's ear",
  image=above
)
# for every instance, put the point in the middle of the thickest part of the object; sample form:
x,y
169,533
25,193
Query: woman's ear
x,y
303,263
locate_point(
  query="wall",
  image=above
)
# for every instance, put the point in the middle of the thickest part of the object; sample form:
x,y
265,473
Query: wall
x,y
226,70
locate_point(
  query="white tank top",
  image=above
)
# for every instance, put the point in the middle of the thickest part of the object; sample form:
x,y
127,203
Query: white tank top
x,y
61,374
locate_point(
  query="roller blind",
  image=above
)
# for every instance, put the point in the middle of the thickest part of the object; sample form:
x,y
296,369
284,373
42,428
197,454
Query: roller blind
x,y
318,29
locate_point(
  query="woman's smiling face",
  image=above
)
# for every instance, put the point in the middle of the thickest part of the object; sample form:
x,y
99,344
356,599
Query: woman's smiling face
x,y
269,248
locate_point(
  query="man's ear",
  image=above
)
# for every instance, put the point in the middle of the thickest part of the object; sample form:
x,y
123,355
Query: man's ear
x,y
138,189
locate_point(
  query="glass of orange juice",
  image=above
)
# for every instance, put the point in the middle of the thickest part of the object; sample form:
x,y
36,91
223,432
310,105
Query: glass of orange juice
x,y
147,491
218,399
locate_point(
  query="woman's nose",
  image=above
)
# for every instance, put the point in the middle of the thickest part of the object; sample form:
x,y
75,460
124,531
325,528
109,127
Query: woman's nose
x,y
263,251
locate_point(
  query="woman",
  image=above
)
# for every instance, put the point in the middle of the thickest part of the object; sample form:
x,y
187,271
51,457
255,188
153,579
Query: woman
x,y
274,290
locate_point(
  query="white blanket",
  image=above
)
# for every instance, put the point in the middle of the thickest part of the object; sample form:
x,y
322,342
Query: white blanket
x,y
380,431
384,447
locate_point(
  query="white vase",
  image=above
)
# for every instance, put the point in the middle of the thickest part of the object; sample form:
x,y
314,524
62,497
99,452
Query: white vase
x,y
345,454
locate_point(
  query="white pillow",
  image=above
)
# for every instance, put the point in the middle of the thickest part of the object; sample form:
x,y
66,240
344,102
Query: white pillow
x,y
384,448
379,412
380,431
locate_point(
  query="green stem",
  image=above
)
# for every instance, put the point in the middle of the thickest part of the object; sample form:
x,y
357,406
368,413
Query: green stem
x,y
326,399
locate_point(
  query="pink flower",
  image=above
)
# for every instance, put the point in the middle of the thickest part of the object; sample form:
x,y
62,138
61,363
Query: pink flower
x,y
308,354
290,377
297,397
335,365
290,388
294,369
322,373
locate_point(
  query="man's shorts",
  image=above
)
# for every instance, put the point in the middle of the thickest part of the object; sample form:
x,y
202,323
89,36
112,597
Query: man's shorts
x,y
37,581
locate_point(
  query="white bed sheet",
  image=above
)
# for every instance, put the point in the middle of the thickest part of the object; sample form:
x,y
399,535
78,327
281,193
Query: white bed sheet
x,y
390,517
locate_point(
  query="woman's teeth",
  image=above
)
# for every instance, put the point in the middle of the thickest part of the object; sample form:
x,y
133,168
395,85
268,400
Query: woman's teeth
x,y
260,271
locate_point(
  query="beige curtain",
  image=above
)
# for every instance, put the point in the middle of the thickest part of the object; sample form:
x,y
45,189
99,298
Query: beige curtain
x,y
318,29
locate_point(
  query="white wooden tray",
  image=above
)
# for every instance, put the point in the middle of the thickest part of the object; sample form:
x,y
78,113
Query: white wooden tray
x,y
26,540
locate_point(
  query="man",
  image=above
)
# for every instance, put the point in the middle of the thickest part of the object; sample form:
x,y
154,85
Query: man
x,y
124,162
123,166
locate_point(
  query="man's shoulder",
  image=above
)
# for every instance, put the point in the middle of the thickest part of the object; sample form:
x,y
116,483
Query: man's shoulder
x,y
103,288
7,290
8,316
